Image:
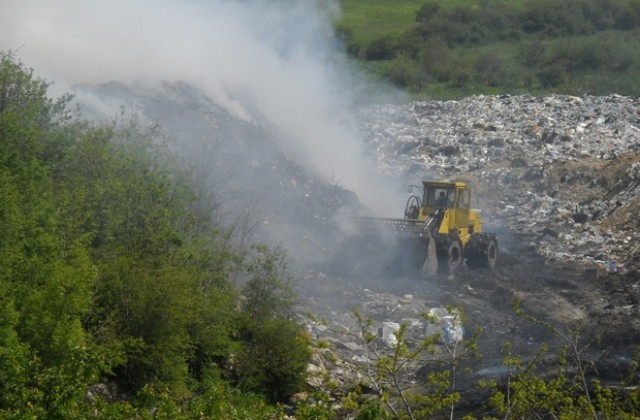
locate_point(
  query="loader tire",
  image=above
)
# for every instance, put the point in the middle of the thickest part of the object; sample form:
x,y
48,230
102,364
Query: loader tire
x,y
482,251
455,255
449,256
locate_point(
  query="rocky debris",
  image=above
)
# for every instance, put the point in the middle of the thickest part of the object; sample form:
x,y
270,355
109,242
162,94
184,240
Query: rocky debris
x,y
557,179
559,171
346,359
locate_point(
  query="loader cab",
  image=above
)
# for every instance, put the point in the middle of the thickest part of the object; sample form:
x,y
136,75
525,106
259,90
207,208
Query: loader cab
x,y
439,195
448,201
440,198
451,195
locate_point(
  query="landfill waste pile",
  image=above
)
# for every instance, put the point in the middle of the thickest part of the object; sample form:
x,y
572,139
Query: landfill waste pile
x,y
561,170
558,177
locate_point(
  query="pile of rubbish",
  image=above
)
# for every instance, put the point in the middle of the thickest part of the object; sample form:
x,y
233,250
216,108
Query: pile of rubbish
x,y
561,172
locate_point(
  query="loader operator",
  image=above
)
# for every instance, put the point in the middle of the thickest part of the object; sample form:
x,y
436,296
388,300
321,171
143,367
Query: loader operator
x,y
442,202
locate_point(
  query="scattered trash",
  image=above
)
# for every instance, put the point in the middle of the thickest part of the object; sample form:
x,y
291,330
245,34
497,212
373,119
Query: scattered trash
x,y
389,330
446,322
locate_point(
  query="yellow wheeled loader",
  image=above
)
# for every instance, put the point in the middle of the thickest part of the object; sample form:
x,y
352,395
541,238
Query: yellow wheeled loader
x,y
440,228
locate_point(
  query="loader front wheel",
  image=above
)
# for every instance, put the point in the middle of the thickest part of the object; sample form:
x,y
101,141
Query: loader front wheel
x,y
450,256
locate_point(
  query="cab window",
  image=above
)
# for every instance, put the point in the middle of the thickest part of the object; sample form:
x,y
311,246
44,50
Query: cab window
x,y
439,197
465,199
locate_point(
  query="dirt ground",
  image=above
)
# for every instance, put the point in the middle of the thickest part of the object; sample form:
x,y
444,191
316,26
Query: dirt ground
x,y
569,255
599,309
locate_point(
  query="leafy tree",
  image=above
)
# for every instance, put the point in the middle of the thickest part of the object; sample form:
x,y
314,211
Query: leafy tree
x,y
106,274
382,48
530,54
488,68
46,276
401,71
276,349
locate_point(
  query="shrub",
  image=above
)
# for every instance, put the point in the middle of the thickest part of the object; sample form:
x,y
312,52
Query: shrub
x,y
628,16
487,68
382,48
531,53
274,358
550,76
460,76
401,72
427,12
275,349
434,53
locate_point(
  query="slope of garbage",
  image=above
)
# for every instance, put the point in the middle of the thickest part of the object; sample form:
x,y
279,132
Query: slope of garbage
x,y
563,171
558,179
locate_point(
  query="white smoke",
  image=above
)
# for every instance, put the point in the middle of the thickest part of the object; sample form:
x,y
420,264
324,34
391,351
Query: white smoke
x,y
280,52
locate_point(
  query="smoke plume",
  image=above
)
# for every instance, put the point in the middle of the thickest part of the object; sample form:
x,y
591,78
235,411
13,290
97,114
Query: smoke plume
x,y
281,54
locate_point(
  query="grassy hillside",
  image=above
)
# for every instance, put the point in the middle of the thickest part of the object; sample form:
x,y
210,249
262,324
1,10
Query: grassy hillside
x,y
447,49
368,19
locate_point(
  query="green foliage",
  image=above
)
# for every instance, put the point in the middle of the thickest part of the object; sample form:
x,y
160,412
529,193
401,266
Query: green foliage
x,y
276,351
273,360
557,384
488,68
530,54
218,400
401,71
268,286
108,276
541,45
382,48
435,54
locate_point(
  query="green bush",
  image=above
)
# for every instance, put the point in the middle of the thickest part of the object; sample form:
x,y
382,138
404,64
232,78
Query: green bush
x,y
382,48
550,76
488,68
108,277
434,53
273,360
628,16
428,12
401,71
275,351
531,53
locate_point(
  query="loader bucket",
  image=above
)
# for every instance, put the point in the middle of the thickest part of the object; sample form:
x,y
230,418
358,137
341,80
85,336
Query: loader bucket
x,y
430,266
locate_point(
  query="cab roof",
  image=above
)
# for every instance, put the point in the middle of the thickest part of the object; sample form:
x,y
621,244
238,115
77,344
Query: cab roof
x,y
444,184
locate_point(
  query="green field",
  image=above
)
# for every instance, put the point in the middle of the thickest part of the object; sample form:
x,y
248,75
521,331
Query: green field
x,y
465,47
370,19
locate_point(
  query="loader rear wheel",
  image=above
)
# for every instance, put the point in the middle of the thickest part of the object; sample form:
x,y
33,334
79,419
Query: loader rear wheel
x,y
492,254
482,251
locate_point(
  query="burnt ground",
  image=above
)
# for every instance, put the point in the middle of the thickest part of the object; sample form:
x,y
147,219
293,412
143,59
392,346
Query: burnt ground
x,y
596,307
569,298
